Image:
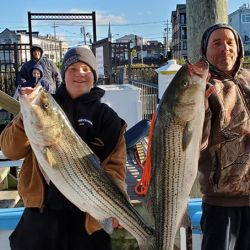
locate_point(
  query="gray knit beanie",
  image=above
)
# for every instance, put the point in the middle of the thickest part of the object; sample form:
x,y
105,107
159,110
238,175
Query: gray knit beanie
x,y
36,47
79,54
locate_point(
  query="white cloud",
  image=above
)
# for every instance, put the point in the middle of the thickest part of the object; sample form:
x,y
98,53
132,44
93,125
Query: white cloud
x,y
103,17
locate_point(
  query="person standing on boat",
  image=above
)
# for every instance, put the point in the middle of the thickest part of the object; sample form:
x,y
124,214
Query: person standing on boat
x,y
224,165
50,221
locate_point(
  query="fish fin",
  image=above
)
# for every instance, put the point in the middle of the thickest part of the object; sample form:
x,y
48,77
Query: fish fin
x,y
120,184
187,136
148,244
150,203
185,221
123,187
49,157
107,225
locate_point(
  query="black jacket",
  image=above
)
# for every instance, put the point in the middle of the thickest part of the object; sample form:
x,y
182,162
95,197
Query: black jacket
x,y
92,120
96,123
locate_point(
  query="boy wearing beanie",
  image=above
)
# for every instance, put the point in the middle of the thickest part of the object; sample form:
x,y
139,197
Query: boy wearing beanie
x,y
49,220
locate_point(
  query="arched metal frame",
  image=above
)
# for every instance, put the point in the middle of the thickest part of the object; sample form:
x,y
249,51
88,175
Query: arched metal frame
x,y
61,16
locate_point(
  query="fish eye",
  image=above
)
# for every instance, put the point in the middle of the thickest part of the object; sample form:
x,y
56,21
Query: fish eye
x,y
46,105
185,84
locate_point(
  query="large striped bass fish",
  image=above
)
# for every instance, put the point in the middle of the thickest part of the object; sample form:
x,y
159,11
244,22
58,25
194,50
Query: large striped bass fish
x,y
74,169
175,150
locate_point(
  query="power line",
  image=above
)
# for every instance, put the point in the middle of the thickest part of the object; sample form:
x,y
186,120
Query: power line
x,y
98,25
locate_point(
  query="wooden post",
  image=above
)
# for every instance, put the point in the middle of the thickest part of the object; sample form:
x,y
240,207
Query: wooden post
x,y
200,15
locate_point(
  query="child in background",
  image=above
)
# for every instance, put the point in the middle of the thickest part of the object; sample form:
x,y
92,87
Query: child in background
x,y
36,76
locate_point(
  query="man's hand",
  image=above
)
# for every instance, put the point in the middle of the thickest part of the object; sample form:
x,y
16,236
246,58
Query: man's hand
x,y
115,223
208,92
25,90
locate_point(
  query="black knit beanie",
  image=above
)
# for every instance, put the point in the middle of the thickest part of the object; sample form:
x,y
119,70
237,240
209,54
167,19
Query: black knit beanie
x,y
79,54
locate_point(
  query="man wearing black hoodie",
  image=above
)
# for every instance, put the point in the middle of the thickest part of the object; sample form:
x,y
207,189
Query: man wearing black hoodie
x,y
50,72
224,166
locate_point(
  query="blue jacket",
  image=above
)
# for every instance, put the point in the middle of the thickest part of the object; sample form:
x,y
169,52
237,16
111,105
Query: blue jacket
x,y
34,81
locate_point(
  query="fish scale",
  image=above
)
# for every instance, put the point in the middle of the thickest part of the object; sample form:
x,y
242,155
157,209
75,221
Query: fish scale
x,y
74,169
169,214
175,150
96,183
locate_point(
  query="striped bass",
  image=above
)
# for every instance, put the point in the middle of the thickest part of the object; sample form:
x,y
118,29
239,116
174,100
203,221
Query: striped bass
x,y
175,150
9,103
74,169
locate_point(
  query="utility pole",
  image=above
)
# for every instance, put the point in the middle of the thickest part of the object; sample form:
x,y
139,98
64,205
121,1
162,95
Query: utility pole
x,y
55,26
166,37
142,52
84,34
90,37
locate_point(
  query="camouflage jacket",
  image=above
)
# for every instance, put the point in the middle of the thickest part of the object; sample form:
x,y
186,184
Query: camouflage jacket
x,y
224,166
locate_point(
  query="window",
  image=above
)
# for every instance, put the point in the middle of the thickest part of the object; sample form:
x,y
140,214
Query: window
x,y
7,40
245,18
184,45
247,38
182,19
184,33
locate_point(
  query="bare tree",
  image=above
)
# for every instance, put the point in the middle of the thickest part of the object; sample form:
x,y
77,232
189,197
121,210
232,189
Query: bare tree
x,y
200,15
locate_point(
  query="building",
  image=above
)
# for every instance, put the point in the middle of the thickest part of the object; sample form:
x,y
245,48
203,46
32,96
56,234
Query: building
x,y
240,21
134,40
179,32
150,52
54,49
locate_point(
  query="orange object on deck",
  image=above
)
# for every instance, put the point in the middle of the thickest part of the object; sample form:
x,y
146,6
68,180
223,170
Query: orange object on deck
x,y
141,187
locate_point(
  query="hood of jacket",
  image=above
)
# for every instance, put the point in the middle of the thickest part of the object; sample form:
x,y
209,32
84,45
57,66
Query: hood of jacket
x,y
204,43
38,67
96,93
34,47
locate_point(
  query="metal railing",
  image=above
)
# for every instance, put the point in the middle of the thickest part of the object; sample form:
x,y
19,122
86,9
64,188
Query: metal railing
x,y
144,74
12,56
148,97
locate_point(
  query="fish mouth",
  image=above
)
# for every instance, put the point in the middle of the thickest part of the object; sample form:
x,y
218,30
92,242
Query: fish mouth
x,y
33,96
200,68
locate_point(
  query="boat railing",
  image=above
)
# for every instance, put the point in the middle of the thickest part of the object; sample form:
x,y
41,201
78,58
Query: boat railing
x,y
148,97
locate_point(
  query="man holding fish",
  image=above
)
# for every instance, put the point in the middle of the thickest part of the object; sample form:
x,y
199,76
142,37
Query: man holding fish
x,y
224,164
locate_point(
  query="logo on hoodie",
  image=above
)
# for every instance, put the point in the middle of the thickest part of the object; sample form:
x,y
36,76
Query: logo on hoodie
x,y
83,121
